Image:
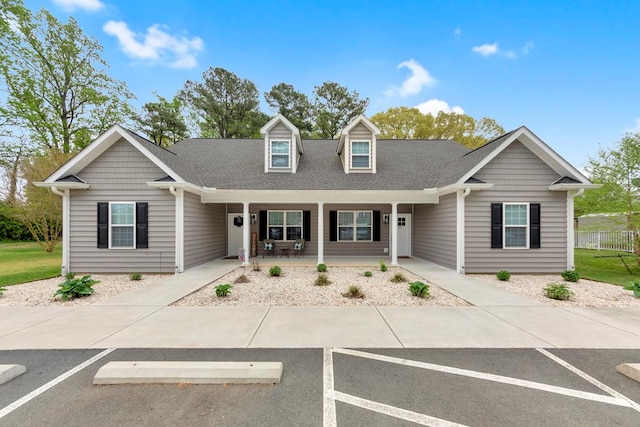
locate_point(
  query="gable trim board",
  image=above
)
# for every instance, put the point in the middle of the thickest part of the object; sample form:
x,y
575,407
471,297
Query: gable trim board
x,y
459,194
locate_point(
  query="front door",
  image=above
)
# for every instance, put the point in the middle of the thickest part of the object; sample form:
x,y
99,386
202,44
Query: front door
x,y
234,235
404,235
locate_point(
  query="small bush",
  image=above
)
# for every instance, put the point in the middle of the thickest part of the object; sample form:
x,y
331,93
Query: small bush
x,y
241,279
419,289
383,266
353,292
570,275
635,287
398,278
321,268
135,276
368,274
275,271
503,275
322,280
2,291
255,266
223,290
558,291
75,288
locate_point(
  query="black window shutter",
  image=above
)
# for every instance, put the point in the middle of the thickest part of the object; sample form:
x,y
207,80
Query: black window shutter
x,y
263,225
306,225
103,225
376,226
534,225
496,225
333,226
142,225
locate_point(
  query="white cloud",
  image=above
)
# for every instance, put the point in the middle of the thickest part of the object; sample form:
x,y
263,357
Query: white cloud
x,y
434,106
157,46
486,49
418,79
87,5
457,32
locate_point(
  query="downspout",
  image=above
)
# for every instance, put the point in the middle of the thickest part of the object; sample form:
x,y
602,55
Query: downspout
x,y
460,222
571,239
179,229
65,227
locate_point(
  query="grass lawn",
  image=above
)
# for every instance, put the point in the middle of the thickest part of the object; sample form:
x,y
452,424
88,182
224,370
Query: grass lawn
x,y
605,266
26,261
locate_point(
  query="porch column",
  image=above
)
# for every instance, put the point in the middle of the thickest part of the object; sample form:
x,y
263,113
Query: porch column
x,y
246,232
320,232
394,233
66,212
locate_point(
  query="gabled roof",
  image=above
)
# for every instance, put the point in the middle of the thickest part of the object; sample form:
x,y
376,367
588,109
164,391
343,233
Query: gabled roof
x,y
279,118
361,119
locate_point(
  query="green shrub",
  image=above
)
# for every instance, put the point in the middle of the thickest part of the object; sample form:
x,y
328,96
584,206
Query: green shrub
x,y
570,275
321,268
275,271
383,266
635,287
255,266
398,278
223,290
353,292
419,289
2,291
368,274
558,291
75,288
322,280
135,276
503,275
241,279
11,228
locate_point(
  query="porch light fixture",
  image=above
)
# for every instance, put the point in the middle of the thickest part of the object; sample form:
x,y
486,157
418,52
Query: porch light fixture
x,y
253,218
385,218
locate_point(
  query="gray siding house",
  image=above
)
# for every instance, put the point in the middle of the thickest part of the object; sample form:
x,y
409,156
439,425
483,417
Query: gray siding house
x,y
130,205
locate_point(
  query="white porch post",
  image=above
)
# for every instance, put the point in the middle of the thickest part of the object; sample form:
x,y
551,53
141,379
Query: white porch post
x,y
178,193
246,228
320,232
460,229
65,228
571,242
394,233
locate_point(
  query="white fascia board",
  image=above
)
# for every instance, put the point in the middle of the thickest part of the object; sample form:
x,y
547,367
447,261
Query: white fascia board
x,y
99,146
443,191
536,146
319,196
186,186
569,187
63,185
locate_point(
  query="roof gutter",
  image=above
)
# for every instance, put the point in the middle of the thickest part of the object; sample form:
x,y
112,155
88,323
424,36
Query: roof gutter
x,y
573,187
62,185
453,188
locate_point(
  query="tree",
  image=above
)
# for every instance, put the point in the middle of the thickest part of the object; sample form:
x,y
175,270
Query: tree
x,y
410,123
618,168
294,105
163,122
55,79
334,107
227,105
12,154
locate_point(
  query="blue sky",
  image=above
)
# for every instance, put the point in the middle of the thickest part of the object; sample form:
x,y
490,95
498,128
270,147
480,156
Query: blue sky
x,y
568,70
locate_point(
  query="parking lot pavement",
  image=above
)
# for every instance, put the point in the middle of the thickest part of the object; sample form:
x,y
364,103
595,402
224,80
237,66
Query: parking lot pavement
x,y
337,387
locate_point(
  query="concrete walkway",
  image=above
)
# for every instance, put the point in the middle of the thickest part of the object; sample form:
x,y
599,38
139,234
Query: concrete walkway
x,y
143,318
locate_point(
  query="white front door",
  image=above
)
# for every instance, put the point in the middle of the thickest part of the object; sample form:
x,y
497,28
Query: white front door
x,y
404,235
234,235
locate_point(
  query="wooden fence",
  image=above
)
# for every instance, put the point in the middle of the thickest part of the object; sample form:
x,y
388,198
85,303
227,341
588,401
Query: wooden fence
x,y
605,240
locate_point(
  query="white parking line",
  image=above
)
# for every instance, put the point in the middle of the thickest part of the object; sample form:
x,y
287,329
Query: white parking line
x,y
18,403
589,378
328,404
392,411
619,401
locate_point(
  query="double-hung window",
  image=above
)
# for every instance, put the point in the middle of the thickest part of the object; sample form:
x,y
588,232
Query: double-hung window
x,y
284,225
280,154
355,226
122,225
360,154
516,225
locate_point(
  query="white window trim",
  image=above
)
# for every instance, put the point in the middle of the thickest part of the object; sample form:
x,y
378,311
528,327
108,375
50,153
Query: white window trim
x,y
284,225
120,225
271,141
360,155
354,226
504,225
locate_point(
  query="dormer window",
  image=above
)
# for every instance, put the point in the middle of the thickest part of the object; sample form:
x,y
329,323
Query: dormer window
x,y
280,154
361,154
